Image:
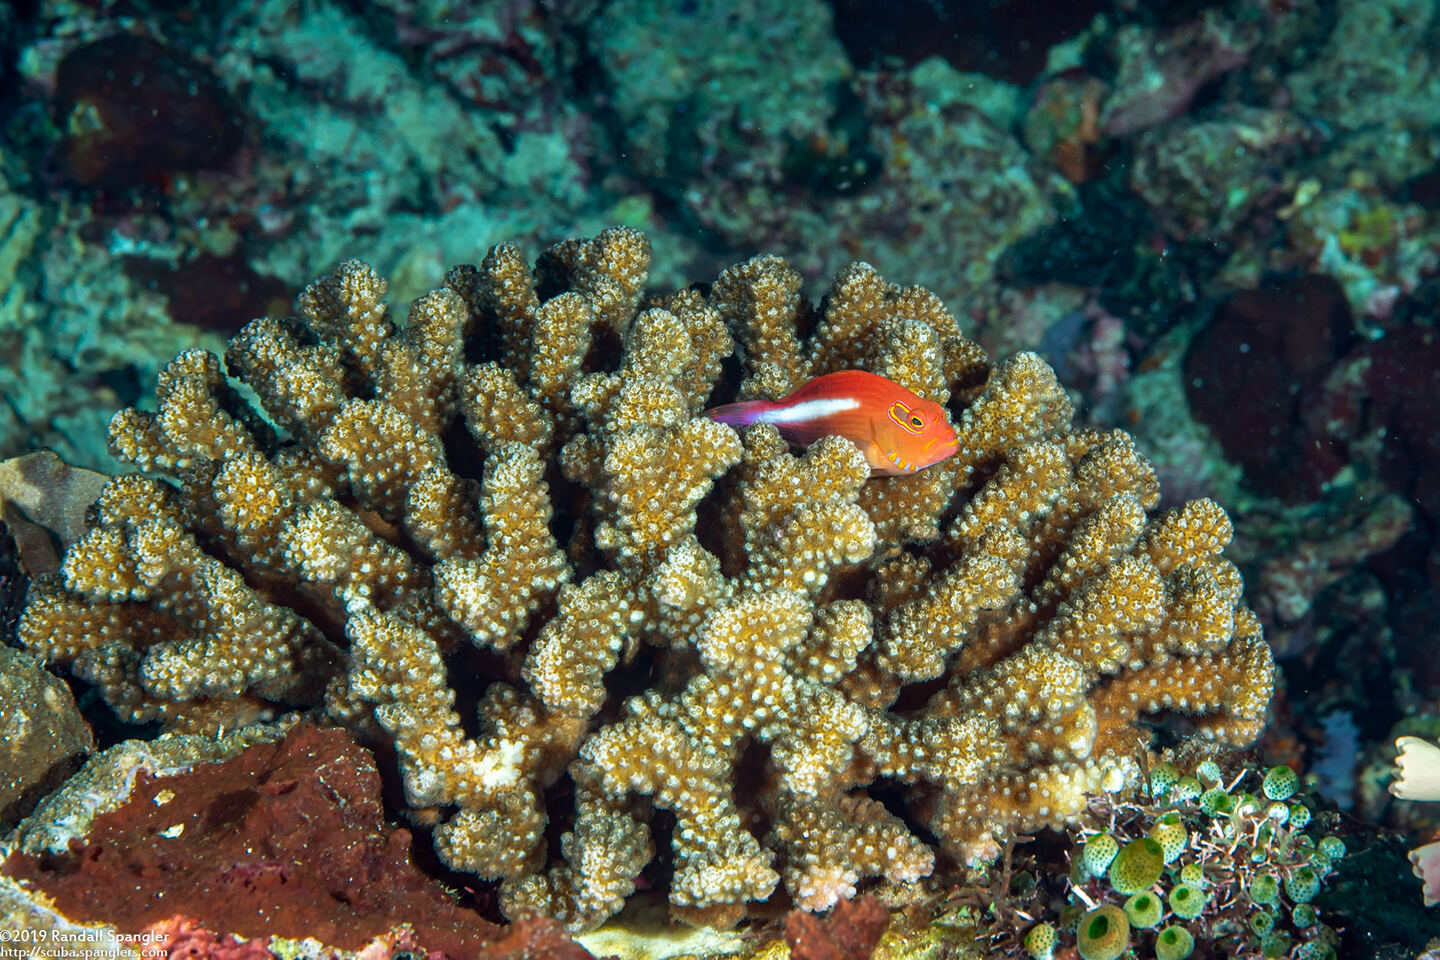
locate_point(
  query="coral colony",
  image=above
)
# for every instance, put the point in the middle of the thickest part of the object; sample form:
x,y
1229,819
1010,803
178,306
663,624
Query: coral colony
x,y
514,495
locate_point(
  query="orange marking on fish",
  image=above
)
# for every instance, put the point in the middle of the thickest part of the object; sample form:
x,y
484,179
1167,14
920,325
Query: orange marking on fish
x,y
897,431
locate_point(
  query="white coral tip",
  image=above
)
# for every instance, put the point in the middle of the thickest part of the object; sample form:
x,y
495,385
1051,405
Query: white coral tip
x,y
1417,770
1426,860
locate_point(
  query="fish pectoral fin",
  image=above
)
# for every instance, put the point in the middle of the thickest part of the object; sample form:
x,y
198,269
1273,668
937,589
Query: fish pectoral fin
x,y
883,463
873,455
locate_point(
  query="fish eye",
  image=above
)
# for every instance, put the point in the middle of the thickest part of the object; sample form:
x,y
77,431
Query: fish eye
x,y
917,421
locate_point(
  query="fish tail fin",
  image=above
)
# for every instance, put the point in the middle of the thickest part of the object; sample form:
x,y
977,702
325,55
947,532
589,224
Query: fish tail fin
x,y
739,415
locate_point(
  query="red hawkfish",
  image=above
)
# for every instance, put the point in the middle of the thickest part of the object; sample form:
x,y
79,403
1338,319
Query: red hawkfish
x,y
897,431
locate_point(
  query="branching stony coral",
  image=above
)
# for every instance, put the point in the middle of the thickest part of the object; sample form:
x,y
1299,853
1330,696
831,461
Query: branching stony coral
x,y
513,498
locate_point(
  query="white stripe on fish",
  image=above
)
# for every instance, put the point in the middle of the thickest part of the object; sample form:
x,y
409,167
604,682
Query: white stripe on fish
x,y
807,411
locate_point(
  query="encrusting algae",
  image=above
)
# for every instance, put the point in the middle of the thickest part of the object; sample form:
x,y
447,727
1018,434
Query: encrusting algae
x,y
515,495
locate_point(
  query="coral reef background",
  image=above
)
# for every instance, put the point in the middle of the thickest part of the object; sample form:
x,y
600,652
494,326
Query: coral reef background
x,y
1219,223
